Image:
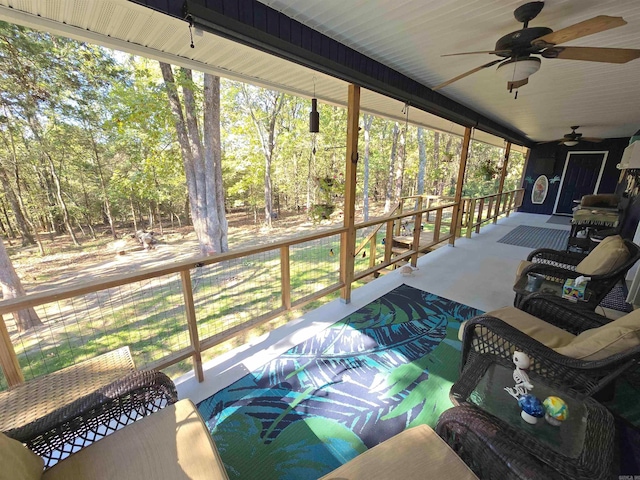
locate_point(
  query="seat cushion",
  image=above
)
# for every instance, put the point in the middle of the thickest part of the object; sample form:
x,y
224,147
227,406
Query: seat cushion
x,y
608,256
17,462
602,342
545,333
173,443
521,266
606,200
414,454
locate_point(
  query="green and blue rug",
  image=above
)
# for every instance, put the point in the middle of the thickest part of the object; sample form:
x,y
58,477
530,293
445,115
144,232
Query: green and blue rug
x,y
385,368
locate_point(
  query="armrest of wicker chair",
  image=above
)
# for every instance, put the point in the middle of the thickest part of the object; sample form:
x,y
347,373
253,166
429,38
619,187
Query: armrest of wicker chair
x,y
89,418
487,448
556,257
570,316
486,335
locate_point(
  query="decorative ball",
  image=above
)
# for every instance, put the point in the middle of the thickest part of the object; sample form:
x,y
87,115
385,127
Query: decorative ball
x,y
557,410
532,408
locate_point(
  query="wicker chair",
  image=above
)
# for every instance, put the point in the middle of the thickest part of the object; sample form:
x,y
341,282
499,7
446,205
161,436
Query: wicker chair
x,y
489,335
558,266
90,418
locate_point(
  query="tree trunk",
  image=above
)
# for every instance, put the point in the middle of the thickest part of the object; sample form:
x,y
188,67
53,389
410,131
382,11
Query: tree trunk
x,y
12,288
27,238
367,121
103,187
392,161
6,217
399,174
436,160
422,165
216,216
210,224
61,202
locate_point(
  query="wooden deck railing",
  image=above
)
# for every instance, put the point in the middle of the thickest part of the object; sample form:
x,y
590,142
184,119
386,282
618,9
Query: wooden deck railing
x,y
187,295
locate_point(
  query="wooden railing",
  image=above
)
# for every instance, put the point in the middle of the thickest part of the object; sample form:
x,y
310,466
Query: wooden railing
x,y
190,289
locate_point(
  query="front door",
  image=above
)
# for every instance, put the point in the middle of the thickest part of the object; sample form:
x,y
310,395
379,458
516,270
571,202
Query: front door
x,y
581,176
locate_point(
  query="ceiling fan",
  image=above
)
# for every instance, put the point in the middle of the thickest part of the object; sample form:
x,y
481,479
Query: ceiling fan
x,y
517,48
572,139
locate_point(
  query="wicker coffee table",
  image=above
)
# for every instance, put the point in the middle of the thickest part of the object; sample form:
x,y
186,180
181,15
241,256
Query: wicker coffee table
x,y
582,447
33,400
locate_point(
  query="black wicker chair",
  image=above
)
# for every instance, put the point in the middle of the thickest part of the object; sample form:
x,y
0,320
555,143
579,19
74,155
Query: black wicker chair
x,y
558,266
90,418
487,335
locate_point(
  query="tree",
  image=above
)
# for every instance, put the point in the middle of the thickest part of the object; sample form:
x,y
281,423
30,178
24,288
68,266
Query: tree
x,y
264,107
199,161
367,120
12,288
388,197
422,155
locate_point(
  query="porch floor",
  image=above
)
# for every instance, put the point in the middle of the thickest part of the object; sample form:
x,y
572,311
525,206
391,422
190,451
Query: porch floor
x,y
478,272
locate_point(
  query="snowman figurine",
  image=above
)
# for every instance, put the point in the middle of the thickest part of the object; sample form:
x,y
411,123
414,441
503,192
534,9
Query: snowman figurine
x,y
523,384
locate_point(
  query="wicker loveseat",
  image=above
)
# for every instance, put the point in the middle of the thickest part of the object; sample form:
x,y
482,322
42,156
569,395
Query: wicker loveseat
x,y
148,435
606,265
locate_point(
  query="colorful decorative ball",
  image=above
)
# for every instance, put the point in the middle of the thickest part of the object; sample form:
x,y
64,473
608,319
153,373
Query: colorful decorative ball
x,y
556,410
532,408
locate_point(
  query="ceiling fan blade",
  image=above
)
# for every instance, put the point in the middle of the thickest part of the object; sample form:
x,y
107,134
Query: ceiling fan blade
x,y
513,85
473,53
593,54
592,139
466,74
552,141
582,29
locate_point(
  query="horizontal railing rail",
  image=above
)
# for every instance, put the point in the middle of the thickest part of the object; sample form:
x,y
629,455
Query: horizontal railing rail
x,y
179,310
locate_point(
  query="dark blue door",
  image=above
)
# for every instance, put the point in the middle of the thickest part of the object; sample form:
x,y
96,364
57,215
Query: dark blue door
x,y
580,178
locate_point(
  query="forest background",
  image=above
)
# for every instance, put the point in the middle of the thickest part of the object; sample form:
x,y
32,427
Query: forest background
x,y
89,148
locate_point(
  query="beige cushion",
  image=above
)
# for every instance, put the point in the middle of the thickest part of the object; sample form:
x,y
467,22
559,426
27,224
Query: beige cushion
x,y
414,454
602,342
523,264
171,444
609,255
545,333
17,462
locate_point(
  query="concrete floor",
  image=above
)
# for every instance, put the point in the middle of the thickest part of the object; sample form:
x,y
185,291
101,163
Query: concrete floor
x,y
478,272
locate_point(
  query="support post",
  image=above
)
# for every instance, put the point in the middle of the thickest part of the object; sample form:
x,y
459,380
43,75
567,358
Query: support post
x,y
348,238
372,250
437,225
388,241
285,277
192,322
8,359
457,209
503,175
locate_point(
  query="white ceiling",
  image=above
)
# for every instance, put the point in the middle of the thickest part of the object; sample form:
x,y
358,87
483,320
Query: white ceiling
x,y
407,35
411,35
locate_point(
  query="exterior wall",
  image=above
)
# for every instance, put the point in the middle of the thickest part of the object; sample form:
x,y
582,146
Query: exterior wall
x,y
548,159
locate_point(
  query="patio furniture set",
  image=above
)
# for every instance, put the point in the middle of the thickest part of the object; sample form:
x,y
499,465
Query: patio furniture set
x,y
104,419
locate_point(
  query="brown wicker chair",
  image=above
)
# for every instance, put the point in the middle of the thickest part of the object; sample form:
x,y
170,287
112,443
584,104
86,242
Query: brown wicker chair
x,y
489,335
90,418
558,266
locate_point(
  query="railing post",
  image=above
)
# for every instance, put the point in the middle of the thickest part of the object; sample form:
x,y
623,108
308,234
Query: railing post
x,y
285,276
497,208
480,212
8,359
460,183
388,241
472,212
192,322
372,250
436,226
417,231
348,238
398,225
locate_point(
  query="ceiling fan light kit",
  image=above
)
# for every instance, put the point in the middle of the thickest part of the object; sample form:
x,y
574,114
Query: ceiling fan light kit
x,y
518,69
518,47
570,143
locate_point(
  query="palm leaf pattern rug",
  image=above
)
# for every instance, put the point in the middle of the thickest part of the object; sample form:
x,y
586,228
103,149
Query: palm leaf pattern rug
x,y
387,367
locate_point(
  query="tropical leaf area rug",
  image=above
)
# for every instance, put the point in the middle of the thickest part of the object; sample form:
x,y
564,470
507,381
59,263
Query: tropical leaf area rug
x,y
387,367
